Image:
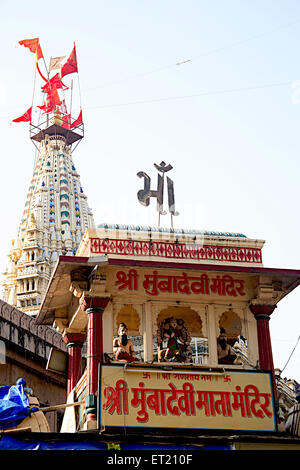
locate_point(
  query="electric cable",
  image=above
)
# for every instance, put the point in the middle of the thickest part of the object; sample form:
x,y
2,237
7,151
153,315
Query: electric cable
x,y
291,354
205,93
203,54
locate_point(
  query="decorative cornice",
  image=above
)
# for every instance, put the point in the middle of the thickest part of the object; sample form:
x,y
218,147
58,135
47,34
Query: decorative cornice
x,y
173,250
25,325
142,228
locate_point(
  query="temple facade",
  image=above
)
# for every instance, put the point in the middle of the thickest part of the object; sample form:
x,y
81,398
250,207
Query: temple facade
x,y
55,217
166,330
175,323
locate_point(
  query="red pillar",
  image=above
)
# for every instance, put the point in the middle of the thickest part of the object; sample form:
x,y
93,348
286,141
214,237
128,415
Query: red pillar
x,y
74,344
262,315
94,307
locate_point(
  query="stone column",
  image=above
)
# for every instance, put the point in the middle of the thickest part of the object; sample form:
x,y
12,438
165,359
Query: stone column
x,y
262,315
147,332
108,326
94,307
212,334
74,343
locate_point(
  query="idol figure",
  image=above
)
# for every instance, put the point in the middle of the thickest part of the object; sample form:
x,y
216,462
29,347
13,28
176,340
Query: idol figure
x,y
123,347
225,352
174,341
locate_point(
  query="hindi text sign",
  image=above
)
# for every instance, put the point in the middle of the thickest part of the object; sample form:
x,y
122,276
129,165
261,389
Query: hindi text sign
x,y
234,400
158,282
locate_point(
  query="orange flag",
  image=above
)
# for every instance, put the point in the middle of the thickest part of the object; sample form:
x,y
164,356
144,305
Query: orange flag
x,y
26,117
71,64
54,82
66,121
34,46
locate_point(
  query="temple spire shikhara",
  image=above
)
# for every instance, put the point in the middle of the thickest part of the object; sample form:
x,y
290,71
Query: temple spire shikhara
x,y
56,213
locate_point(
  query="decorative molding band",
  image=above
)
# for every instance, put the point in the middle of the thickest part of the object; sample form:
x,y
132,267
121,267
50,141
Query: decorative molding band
x,y
153,230
176,250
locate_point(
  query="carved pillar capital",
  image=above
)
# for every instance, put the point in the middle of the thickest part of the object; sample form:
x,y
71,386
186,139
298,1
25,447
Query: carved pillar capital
x,y
74,339
261,310
94,304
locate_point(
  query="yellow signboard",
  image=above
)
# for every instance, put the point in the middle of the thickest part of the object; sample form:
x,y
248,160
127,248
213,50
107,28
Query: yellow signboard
x,y
235,400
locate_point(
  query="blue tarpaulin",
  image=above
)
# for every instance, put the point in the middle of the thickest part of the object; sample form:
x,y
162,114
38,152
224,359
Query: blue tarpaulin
x,y
12,443
14,405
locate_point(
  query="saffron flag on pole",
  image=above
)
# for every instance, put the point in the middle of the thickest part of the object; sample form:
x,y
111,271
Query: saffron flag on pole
x,y
54,82
71,64
34,46
46,108
26,117
43,108
52,102
55,63
66,120
77,121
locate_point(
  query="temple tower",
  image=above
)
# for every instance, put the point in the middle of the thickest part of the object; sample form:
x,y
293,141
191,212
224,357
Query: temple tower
x,y
56,213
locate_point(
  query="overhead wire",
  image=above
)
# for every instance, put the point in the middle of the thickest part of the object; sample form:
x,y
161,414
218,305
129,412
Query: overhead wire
x,y
203,54
291,354
250,38
195,95
212,51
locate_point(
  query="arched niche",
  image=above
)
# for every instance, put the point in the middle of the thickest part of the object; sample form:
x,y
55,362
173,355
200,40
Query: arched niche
x,y
232,324
131,318
190,317
190,345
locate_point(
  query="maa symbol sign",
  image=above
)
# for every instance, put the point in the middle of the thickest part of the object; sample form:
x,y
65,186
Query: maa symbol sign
x,y
146,193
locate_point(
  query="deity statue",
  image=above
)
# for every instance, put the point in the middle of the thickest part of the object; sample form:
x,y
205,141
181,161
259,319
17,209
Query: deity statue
x,y
123,347
174,341
225,352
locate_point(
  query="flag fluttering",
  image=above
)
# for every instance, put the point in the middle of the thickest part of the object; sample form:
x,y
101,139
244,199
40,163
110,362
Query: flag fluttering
x,y
55,63
66,121
53,102
45,108
54,82
26,117
77,121
71,64
34,46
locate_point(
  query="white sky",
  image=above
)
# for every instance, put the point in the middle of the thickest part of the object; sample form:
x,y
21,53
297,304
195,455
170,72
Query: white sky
x,y
228,120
